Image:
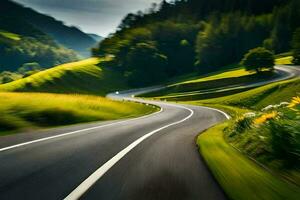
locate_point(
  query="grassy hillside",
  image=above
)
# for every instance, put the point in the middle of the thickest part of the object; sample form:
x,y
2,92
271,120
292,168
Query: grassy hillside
x,y
260,97
6,77
32,110
84,77
210,85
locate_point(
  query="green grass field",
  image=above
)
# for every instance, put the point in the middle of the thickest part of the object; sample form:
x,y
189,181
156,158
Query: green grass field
x,y
83,77
284,61
240,177
33,110
206,86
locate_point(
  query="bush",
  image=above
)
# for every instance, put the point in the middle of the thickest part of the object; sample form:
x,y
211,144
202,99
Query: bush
x,y
258,59
285,140
7,79
240,126
29,67
53,117
7,124
243,123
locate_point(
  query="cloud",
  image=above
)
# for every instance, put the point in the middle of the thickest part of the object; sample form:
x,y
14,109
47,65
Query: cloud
x,y
98,16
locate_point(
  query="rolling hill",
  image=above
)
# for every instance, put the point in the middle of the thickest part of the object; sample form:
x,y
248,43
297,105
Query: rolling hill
x,y
85,77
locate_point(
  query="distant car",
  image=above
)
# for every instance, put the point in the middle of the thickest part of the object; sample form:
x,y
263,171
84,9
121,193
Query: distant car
x,y
117,92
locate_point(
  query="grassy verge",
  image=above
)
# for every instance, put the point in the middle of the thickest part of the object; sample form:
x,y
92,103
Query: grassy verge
x,y
32,110
240,177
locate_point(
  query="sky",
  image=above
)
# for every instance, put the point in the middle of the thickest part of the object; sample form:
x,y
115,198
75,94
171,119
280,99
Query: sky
x,y
92,16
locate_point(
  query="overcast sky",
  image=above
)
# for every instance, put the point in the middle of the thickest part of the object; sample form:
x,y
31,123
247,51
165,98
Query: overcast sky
x,y
92,16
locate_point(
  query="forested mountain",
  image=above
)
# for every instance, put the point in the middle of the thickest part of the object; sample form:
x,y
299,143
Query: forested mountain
x,y
182,36
21,43
27,36
70,37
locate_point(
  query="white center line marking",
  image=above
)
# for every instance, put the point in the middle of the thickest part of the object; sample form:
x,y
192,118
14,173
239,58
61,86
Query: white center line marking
x,y
93,178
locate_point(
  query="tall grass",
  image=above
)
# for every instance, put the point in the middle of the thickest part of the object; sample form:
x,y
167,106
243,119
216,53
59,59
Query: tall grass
x,y
22,110
240,177
271,136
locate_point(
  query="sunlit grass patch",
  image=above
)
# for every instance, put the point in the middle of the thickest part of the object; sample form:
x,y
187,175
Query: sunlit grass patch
x,y
84,77
211,86
21,110
226,74
284,61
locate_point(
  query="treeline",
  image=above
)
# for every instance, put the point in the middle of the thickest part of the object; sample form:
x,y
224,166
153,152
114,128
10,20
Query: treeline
x,y
13,54
174,38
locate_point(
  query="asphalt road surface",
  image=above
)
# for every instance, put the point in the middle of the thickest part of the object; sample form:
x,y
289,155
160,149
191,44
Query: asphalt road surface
x,y
152,157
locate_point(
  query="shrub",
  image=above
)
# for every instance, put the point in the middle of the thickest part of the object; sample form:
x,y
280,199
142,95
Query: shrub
x,y
53,117
7,79
258,59
240,126
7,124
29,67
285,140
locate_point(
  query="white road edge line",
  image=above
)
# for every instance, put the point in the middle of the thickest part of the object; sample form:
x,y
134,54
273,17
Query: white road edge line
x,y
74,132
93,178
220,111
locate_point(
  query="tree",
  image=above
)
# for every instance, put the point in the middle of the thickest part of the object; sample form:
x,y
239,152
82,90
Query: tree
x,y
7,79
146,65
26,67
296,47
258,59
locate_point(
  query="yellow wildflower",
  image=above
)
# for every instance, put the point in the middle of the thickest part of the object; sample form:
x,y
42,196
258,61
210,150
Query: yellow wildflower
x,y
295,102
265,117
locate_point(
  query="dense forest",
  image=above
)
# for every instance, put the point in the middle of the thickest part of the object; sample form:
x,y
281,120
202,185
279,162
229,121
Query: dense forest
x,y
177,37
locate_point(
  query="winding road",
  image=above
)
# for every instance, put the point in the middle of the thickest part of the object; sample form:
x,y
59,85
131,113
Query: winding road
x,y
151,157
